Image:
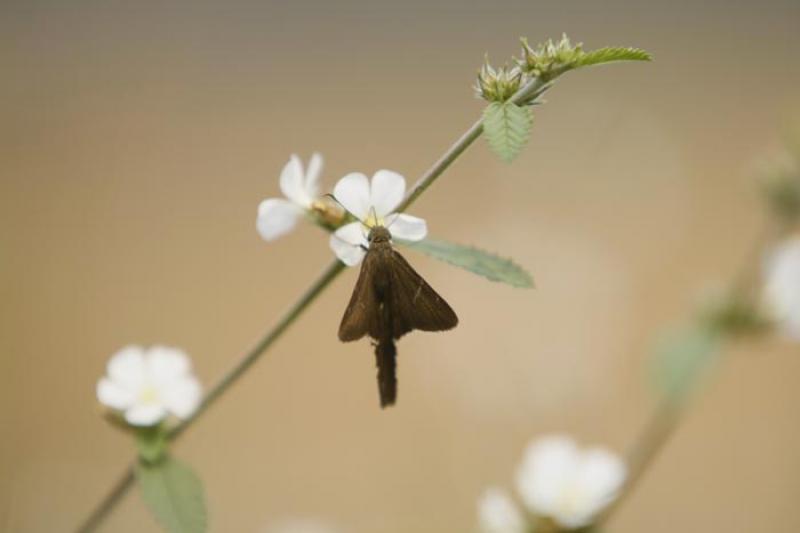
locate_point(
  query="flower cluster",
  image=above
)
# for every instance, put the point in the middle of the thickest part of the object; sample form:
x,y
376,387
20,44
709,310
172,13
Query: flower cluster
x,y
550,58
497,85
146,385
369,204
544,62
558,483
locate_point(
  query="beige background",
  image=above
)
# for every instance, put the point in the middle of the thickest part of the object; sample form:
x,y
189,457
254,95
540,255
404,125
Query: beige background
x,y
136,142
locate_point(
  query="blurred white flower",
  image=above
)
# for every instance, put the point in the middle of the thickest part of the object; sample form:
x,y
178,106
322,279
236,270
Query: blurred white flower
x,y
148,384
782,286
373,205
558,480
497,513
277,216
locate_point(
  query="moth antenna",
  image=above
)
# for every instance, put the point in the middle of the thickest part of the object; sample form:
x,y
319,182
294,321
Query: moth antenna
x,y
396,216
373,212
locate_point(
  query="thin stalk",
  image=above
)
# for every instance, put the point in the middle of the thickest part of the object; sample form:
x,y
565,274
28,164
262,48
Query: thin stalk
x,y
667,416
107,504
232,376
532,90
527,93
645,450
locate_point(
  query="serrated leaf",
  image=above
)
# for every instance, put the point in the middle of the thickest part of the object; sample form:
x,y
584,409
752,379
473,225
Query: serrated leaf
x,y
507,127
490,266
611,54
682,358
174,494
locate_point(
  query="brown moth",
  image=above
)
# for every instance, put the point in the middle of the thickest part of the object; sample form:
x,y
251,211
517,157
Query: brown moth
x,y
389,300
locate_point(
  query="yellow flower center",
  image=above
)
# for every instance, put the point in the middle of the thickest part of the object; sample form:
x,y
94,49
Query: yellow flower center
x,y
149,395
373,220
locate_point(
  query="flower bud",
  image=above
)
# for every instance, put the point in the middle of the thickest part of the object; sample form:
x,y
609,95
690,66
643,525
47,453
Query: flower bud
x,y
550,58
328,212
497,85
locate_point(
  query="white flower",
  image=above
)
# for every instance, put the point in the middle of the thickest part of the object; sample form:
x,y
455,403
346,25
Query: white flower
x,y
497,513
372,204
569,485
149,384
277,216
782,286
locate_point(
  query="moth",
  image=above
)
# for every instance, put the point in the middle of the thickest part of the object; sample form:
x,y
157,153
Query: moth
x,y
389,300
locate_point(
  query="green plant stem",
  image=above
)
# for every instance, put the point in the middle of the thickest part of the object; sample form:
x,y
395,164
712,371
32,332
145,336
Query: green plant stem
x,y
125,482
645,450
532,90
107,504
328,275
667,416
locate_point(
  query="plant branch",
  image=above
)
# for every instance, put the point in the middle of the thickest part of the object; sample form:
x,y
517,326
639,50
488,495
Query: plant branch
x,y
125,482
528,93
667,416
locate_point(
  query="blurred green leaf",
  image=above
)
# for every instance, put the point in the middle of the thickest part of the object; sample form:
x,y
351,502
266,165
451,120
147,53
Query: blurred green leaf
x,y
507,127
477,261
611,54
174,494
683,357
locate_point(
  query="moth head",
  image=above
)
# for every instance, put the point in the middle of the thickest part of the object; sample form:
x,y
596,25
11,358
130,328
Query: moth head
x,y
379,234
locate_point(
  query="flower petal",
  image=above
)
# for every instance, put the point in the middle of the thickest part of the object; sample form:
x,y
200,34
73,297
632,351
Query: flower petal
x,y
352,191
348,243
546,472
599,479
313,172
293,183
145,414
498,514
782,286
127,367
387,191
406,227
182,396
165,364
114,395
276,217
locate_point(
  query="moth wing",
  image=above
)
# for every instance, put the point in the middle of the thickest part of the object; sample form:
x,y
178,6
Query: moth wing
x,y
363,308
414,303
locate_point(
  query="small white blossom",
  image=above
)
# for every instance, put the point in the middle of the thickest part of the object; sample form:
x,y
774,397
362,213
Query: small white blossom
x,y
277,216
373,205
782,286
497,513
148,384
569,485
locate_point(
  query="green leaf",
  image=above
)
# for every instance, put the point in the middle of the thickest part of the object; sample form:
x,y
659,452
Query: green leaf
x,y
507,127
683,357
474,260
174,494
611,54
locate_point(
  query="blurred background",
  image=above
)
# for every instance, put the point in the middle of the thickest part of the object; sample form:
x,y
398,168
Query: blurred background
x,y
138,139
